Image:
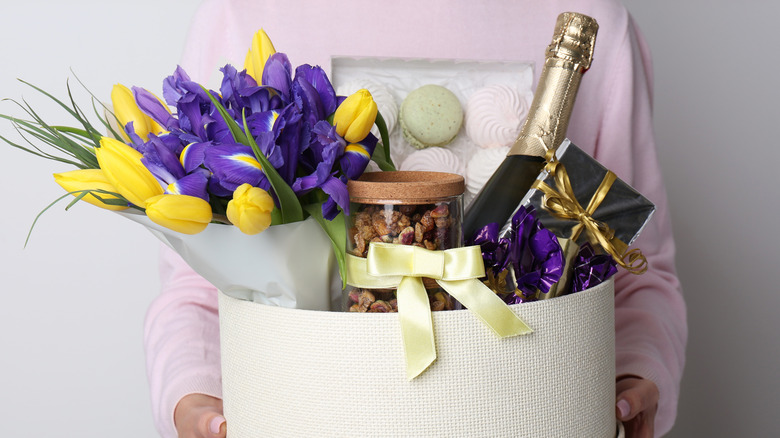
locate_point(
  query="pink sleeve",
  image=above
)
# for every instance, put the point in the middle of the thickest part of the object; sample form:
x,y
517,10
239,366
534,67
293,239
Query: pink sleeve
x,y
650,313
181,339
181,334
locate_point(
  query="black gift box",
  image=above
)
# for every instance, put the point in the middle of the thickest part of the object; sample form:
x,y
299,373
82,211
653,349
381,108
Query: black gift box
x,y
623,209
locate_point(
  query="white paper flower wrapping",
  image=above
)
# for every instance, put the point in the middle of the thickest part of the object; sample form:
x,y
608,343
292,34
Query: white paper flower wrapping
x,y
291,265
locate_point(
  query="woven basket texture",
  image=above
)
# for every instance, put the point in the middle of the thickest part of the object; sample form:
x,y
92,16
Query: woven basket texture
x,y
301,373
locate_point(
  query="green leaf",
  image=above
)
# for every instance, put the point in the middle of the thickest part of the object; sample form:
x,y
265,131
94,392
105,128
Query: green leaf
x,y
378,157
276,216
381,155
337,233
289,204
385,136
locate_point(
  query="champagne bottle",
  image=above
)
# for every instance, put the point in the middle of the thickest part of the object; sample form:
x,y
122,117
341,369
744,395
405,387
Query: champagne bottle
x,y
567,58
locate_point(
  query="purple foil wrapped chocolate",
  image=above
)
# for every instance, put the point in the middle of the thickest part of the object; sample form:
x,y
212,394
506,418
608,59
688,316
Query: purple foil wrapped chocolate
x,y
591,269
531,251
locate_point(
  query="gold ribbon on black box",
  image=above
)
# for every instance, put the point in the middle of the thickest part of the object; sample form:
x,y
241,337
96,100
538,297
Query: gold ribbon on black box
x,y
614,213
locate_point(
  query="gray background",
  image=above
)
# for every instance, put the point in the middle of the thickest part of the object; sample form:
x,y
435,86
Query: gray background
x,y
73,302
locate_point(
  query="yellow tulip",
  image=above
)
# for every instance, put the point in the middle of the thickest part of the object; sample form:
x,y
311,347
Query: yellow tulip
x,y
355,116
182,213
259,52
123,169
88,179
126,111
250,209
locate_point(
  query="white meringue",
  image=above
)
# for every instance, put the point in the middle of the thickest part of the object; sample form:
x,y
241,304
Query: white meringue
x,y
434,159
495,114
481,167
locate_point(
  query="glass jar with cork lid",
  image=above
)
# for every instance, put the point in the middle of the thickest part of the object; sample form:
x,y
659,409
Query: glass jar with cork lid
x,y
423,209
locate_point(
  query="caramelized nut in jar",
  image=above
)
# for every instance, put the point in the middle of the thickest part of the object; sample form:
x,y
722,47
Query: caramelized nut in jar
x,y
423,209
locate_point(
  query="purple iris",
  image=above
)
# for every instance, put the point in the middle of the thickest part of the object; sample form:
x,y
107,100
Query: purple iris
x,y
136,142
152,107
286,116
232,165
319,158
277,74
313,89
160,157
240,92
291,136
193,106
356,156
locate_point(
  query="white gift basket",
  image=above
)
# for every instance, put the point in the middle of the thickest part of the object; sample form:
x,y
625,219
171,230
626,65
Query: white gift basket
x,y
301,373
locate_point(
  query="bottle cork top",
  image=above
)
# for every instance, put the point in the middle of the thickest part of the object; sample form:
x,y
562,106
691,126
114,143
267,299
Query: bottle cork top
x,y
574,39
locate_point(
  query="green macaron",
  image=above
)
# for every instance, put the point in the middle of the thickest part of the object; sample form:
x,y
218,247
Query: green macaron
x,y
430,116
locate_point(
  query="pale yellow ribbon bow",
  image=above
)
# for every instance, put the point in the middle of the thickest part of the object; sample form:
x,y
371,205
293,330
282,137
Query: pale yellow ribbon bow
x,y
456,270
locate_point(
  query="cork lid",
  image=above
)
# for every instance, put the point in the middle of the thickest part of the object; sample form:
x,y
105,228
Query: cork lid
x,y
405,187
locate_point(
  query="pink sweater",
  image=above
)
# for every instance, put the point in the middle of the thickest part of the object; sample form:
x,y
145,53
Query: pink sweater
x,y
612,120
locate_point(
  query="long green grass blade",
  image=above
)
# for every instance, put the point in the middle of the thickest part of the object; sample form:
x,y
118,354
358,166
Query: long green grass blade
x,y
36,151
59,102
104,121
77,199
105,108
77,132
79,194
87,156
53,142
83,118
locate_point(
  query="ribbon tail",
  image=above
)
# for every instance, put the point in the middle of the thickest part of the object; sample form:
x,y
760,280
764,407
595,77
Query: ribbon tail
x,y
414,314
488,307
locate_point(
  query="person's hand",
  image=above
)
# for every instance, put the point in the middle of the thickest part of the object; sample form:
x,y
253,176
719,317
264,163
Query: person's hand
x,y
199,416
637,402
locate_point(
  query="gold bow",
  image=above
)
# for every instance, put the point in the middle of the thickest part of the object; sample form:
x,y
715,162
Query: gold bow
x,y
563,204
456,270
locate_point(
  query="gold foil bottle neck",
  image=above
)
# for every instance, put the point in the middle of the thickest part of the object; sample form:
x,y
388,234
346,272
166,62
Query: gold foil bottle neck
x,y
574,39
568,56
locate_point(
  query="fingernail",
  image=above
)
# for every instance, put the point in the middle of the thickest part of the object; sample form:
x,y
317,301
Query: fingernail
x,y
624,408
216,423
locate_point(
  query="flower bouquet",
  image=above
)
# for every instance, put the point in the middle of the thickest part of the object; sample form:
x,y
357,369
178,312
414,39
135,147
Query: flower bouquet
x,y
271,151
249,185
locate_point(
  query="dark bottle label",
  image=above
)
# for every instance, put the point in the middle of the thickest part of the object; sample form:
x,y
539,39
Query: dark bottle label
x,y
503,192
